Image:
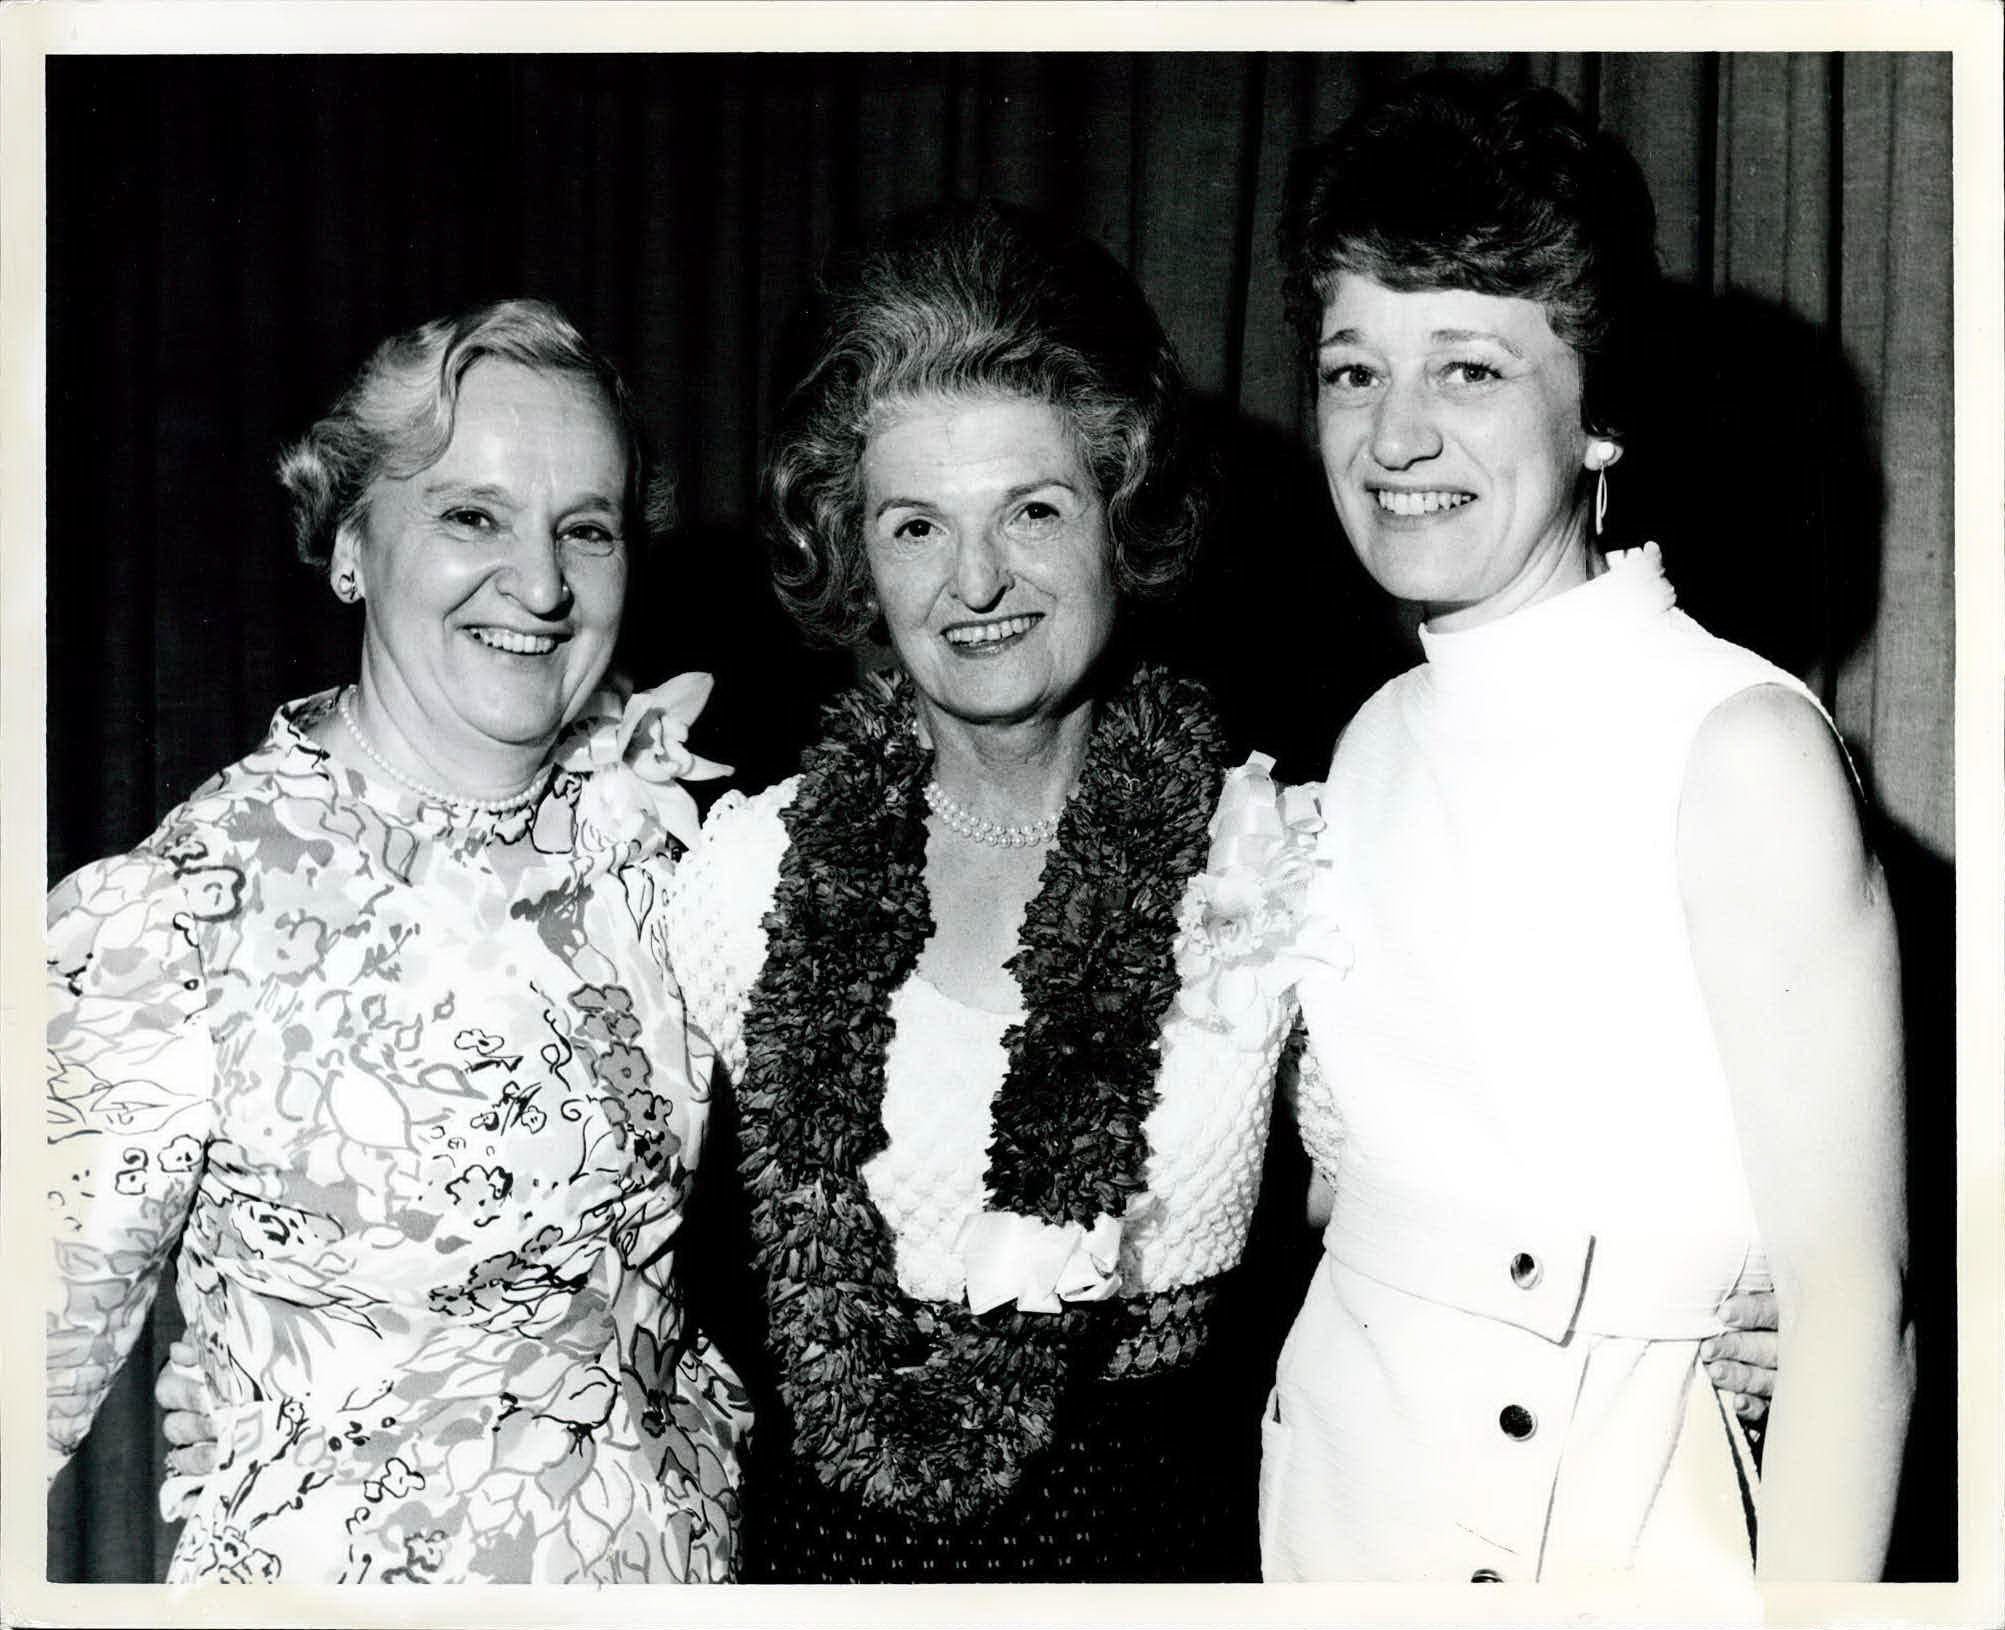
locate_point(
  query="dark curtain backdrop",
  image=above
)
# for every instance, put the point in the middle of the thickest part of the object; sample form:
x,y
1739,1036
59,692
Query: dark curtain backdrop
x,y
227,238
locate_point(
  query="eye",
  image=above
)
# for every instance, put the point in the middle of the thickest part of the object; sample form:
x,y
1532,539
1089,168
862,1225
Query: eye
x,y
1040,512
1340,377
1468,371
591,537
914,529
469,518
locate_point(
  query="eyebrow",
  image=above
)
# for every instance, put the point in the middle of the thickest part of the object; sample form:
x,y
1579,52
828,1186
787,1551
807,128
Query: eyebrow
x,y
1023,489
488,493
1440,336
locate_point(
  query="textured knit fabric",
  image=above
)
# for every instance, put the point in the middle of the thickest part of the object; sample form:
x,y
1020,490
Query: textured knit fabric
x,y
429,1130
1539,1191
1206,1132
1148,1480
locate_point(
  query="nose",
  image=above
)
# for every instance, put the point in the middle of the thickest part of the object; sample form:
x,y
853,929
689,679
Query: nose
x,y
981,574
534,576
1403,430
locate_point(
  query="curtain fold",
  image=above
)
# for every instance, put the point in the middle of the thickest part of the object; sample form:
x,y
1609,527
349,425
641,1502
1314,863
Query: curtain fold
x,y
229,236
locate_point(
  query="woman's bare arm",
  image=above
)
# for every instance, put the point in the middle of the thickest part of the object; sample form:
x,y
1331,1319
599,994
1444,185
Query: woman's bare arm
x,y
1794,944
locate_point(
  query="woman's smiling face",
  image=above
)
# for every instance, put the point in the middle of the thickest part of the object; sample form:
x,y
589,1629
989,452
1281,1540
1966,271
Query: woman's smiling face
x,y
1449,425
988,548
494,578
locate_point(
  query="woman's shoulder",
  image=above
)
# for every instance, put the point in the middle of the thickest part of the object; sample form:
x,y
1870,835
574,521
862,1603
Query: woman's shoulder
x,y
193,858
1768,773
731,871
741,824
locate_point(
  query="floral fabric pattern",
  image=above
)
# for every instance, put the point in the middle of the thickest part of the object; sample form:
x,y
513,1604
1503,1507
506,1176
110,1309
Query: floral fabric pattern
x,y
410,1091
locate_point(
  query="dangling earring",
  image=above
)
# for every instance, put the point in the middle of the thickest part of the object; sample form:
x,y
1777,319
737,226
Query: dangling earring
x,y
1603,453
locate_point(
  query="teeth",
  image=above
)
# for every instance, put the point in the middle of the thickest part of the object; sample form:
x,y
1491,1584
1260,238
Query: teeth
x,y
1419,503
522,645
988,633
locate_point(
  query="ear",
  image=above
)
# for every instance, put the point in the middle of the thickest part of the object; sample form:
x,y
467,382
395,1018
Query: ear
x,y
1602,451
344,564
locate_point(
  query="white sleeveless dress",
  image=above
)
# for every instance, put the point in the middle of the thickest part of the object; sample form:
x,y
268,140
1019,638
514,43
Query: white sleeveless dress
x,y
1520,1107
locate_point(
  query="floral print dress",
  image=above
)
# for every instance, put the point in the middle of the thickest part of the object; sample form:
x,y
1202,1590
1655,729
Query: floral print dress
x,y
410,1092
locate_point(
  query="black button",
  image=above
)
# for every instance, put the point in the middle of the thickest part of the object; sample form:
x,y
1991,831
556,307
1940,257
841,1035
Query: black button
x,y
1486,1576
1517,1421
1526,1270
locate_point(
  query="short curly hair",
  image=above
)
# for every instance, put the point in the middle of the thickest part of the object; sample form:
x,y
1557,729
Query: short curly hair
x,y
1454,181
396,418
975,300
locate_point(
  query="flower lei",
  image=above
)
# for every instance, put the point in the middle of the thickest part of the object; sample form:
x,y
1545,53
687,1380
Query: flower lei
x,y
928,1408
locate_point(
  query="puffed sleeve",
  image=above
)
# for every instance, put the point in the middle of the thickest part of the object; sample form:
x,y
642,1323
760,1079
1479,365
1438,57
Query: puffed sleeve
x,y
716,910
130,1109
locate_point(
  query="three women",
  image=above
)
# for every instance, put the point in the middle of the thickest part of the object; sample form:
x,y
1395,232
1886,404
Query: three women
x,y
1061,801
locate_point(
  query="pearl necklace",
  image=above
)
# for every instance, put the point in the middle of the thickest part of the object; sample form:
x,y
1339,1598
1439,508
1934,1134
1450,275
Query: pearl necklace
x,y
486,806
957,820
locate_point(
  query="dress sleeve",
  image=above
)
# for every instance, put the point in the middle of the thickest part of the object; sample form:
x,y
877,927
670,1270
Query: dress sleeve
x,y
716,911
1309,1098
130,1110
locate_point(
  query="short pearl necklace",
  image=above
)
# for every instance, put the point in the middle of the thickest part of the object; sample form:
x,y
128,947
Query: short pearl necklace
x,y
487,806
957,820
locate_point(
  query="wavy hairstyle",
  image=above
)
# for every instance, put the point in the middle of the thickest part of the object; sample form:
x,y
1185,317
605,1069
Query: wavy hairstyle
x,y
1450,181
977,300
396,418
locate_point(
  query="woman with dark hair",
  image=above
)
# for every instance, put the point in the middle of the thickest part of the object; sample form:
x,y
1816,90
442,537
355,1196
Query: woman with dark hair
x,y
375,1033
995,975
1621,1028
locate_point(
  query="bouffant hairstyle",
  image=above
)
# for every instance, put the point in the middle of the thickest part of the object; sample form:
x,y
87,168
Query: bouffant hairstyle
x,y
396,418
977,300
1450,181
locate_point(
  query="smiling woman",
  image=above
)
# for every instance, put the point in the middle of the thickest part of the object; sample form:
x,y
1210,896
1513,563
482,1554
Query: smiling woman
x,y
1451,437
1000,1139
1620,1030
987,540
374,1034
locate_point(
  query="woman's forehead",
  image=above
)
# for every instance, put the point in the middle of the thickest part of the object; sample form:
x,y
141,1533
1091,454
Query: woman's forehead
x,y
1358,309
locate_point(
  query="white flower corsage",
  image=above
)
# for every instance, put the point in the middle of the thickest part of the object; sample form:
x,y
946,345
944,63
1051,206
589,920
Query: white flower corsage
x,y
1245,923
633,751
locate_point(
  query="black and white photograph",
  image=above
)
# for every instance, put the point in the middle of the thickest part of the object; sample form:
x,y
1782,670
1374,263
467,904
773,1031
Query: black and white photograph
x,y
1105,796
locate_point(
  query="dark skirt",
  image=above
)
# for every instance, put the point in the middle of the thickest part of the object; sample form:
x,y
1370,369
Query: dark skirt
x,y
1150,1479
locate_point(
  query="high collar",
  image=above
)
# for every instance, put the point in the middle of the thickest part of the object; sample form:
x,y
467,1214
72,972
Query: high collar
x,y
1552,645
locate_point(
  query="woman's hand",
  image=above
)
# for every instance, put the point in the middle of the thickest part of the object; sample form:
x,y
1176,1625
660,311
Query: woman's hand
x,y
191,1435
1741,1360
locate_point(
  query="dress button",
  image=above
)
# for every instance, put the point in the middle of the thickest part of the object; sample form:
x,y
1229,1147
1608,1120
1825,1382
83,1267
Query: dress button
x,y
1517,1421
1486,1576
1526,1270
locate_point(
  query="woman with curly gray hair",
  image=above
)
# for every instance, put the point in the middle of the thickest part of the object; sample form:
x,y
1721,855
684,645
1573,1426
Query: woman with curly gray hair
x,y
375,1037
1002,1069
